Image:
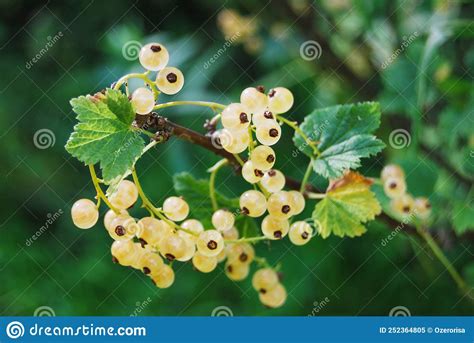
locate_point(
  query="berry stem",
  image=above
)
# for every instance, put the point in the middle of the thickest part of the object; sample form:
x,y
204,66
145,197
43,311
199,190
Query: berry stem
x,y
143,77
298,130
306,176
247,239
212,182
251,142
311,195
462,285
100,192
151,208
212,105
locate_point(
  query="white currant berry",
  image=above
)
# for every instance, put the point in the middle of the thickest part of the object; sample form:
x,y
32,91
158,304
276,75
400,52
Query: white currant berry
x,y
394,187
234,141
143,100
210,243
261,118
274,227
253,203
268,133
164,277
194,226
250,173
300,233
150,262
205,264
279,204
124,252
124,228
151,230
275,297
176,208
170,80
297,202
111,215
231,234
236,271
391,170
84,213
263,157
280,100
223,220
125,195
273,180
172,247
422,207
190,244
235,116
264,280
153,56
254,100
240,253
221,257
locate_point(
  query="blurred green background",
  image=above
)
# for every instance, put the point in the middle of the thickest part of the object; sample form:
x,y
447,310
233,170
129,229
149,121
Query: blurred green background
x,y
415,57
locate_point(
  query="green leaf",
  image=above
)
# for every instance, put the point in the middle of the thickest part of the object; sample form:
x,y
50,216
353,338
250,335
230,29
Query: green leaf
x,y
104,134
196,193
348,203
343,136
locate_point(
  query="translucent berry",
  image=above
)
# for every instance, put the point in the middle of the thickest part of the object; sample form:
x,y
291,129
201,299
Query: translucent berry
x,y
84,214
170,80
297,202
263,157
235,116
143,100
150,262
300,233
194,226
231,234
125,195
279,205
403,204
273,180
274,227
280,100
250,173
392,170
394,187
264,280
422,207
172,247
261,118
268,133
164,277
124,228
190,244
124,252
236,271
210,243
151,230
176,208
111,215
234,140
275,297
153,56
253,203
223,220
240,253
205,264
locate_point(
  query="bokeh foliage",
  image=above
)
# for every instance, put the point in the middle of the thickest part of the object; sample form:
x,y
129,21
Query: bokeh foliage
x,y
427,90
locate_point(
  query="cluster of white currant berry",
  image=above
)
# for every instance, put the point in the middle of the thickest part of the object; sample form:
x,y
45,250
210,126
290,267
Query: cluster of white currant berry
x,y
169,80
395,187
152,243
